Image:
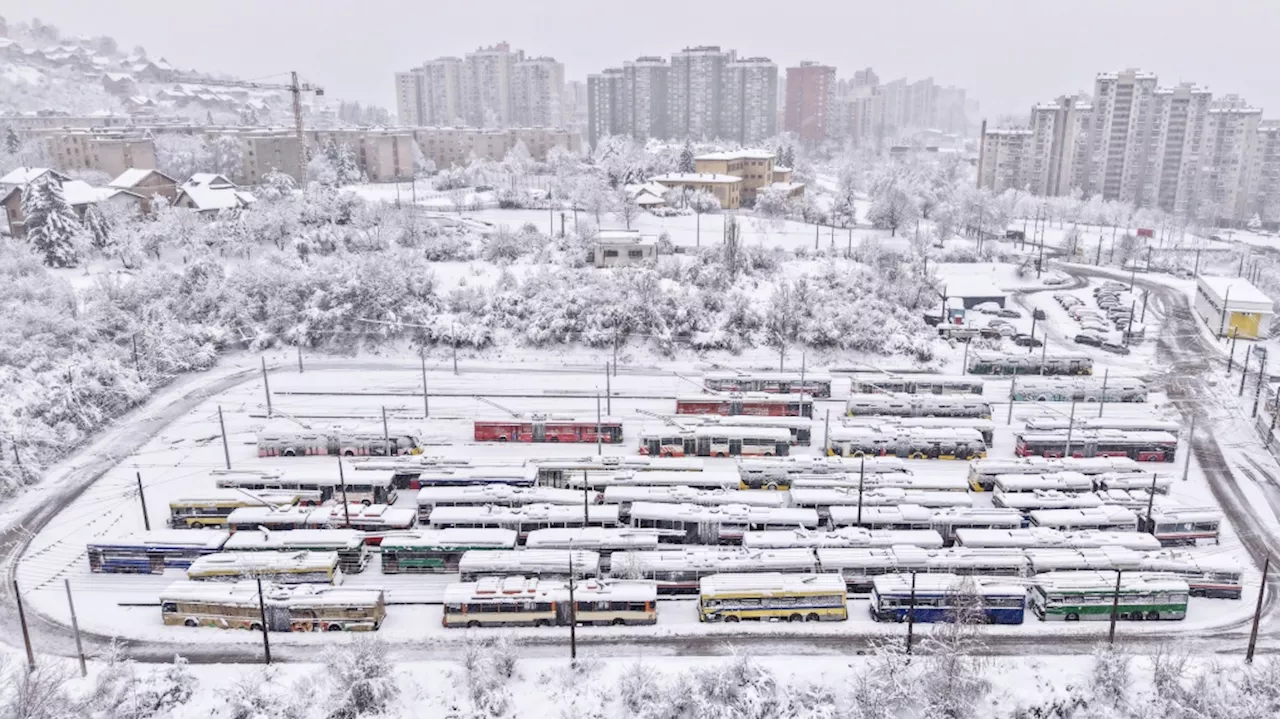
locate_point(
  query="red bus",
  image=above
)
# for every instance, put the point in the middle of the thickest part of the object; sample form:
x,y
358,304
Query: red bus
x,y
756,404
548,430
1141,446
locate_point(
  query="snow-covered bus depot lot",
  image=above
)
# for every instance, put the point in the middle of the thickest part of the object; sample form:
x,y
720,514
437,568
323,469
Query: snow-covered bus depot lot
x,y
178,459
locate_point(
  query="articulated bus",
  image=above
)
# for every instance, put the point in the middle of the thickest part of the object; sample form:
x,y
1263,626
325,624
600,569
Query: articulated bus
x,y
716,441
501,495
842,537
1057,424
520,601
600,482
1068,482
437,551
678,571
872,383
984,426
900,516
945,598
353,555
782,467
463,477
1077,596
1105,518
313,490
912,405
860,566
694,524
949,521
1207,576
1026,502
624,497
1045,538
907,442
539,563
596,539
296,608
824,498
888,480
814,384
292,441
557,472
211,507
772,596
1084,559
152,552
755,404
1057,363
1079,389
801,428
549,429
524,519
1141,446
983,472
278,567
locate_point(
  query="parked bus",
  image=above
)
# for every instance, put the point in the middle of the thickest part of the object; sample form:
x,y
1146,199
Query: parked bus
x,y
985,427
549,429
948,521
600,482
694,524
801,428
901,516
983,472
1057,424
982,362
1145,481
1025,502
824,498
1067,482
814,384
436,551
678,571
1077,596
518,601
873,383
1046,538
888,480
524,519
501,495
538,563
1135,499
278,567
362,489
1105,518
842,537
755,404
1176,525
297,608
277,518
152,552
1083,559
211,507
716,441
859,567
624,497
458,477
353,555
557,472
1141,446
597,539
906,442
911,405
293,441
1079,389
1207,576
945,598
377,519
770,596
779,468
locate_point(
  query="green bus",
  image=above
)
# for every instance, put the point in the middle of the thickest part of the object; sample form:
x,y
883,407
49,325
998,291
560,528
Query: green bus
x,y
1085,595
437,551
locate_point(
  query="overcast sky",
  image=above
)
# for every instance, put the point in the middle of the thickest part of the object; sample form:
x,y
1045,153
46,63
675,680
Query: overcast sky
x,y
1008,54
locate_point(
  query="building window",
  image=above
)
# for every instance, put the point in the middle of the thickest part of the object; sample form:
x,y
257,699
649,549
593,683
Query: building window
x,y
635,254
610,253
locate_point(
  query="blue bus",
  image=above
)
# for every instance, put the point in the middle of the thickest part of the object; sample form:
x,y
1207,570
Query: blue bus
x,y
947,597
153,552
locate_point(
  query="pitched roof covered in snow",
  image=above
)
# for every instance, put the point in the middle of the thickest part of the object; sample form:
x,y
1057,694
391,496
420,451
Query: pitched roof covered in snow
x,y
204,198
133,176
27,175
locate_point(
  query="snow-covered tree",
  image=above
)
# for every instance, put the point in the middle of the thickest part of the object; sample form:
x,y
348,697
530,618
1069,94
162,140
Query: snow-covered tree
x,y
182,156
12,143
362,679
518,162
686,164
891,209
772,202
96,225
789,157
592,194
277,186
702,202
423,166
52,226
226,157
625,207
1255,223
344,164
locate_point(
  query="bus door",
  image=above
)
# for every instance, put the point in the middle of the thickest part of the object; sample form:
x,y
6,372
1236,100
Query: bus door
x,y
539,431
564,613
691,447
653,446
279,619
803,435
155,562
782,449
735,406
735,447
704,447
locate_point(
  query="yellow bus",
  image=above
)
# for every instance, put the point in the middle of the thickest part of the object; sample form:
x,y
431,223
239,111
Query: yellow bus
x,y
280,567
211,507
520,601
772,596
299,608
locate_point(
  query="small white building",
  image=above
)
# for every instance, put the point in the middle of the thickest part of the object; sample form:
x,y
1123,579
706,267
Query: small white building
x,y
616,248
1233,305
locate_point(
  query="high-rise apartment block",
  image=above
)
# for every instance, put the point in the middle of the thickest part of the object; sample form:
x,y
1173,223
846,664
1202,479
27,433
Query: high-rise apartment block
x,y
645,94
487,81
749,101
1228,159
1121,137
1005,159
1179,138
810,97
491,87
604,105
537,93
442,92
695,91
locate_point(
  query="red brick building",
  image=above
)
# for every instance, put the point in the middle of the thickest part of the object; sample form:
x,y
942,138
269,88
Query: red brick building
x,y
810,92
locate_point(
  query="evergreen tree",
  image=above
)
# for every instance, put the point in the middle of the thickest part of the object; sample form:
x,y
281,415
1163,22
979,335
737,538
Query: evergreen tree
x,y
12,143
348,172
789,158
1255,223
686,158
52,226
97,226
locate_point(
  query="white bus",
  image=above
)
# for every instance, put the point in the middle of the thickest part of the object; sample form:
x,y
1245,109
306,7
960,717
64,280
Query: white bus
x,y
211,507
900,516
1208,576
1083,559
520,601
985,427
524,519
443,477
348,543
1176,525
1080,389
624,497
1025,502
890,480
948,521
597,539
1106,518
823,498
495,494
776,596
1135,499
700,480
1135,480
539,563
436,551
293,441
694,524
1057,481
716,441
983,472
875,382
908,405
678,571
557,471
906,442
859,566
780,468
1058,424
278,567
816,384
361,489
801,428
842,537
1044,538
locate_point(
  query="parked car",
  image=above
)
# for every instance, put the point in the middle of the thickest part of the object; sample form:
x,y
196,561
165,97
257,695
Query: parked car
x,y
1055,279
1011,314
1026,341
1006,330
1093,339
987,308
1114,348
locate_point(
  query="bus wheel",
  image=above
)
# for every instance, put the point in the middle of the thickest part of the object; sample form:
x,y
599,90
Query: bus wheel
x,y
197,525
732,618
1153,616
721,454
365,502
288,453
768,454
542,623
1073,617
812,617
255,627
190,622
472,624
772,485
795,618
333,628
502,439
619,621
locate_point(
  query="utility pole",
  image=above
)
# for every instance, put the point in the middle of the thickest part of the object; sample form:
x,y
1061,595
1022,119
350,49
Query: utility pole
x,y
862,475
1243,373
964,363
262,616
426,404
137,367
386,436
586,500
573,612
146,521
1257,391
1031,346
75,627
1102,399
1151,503
608,391
26,634
1115,610
911,613
346,506
266,386
1257,612
1013,387
1071,424
826,435
226,450
599,450
299,359
1191,438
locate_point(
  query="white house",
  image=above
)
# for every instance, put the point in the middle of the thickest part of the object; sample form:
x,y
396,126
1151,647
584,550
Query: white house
x,y
206,192
615,248
1232,305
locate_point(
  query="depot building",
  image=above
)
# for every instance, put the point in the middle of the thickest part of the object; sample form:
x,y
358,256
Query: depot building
x,y
1232,305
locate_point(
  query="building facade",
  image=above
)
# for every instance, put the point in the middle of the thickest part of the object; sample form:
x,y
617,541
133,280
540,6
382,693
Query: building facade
x,y
487,85
1180,121
442,92
1267,160
538,93
1005,159
447,146
749,101
1123,127
604,105
645,93
810,94
1227,166
695,91
409,97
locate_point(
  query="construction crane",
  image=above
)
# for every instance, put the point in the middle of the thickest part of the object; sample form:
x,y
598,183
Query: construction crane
x,y
295,89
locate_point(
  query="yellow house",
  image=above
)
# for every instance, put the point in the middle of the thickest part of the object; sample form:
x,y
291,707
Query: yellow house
x,y
727,188
755,167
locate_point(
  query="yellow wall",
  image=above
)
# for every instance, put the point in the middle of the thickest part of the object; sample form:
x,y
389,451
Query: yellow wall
x,y
1245,324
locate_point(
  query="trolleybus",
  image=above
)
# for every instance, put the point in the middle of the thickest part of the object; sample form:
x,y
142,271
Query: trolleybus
x,y
1044,538
556,472
549,429
677,571
872,383
211,507
1207,576
539,563
624,497
725,524
600,482
945,598
1106,518
772,596
756,404
824,498
301,442
815,384
348,543
859,567
1077,596
1176,525
152,552
1141,446
1048,363
501,495
312,489
907,442
1079,389
520,601
842,537
524,519
296,608
716,441
801,428
436,551
278,567
912,405
983,472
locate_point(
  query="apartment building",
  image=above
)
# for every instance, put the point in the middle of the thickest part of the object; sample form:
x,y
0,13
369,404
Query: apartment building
x,y
1121,136
538,92
1227,189
442,91
756,169
1005,161
1180,120
448,146
645,94
383,155
1059,134
695,91
109,151
575,104
266,151
749,100
1266,202
489,74
810,95
409,97
604,105
726,188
